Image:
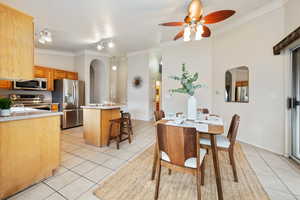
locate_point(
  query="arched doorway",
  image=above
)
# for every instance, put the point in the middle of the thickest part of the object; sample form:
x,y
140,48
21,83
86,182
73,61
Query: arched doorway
x,y
97,81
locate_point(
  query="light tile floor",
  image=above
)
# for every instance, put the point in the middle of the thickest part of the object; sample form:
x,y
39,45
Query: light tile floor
x,y
84,167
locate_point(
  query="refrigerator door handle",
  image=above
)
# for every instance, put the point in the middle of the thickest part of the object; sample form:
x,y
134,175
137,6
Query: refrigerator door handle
x,y
74,93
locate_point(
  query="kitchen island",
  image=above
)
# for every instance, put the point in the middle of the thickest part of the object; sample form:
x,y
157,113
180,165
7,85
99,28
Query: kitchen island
x,y
96,123
29,148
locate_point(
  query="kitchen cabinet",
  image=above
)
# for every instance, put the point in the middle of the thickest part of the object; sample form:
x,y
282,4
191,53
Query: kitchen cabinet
x,y
5,84
45,72
16,44
72,75
30,152
52,74
60,74
96,124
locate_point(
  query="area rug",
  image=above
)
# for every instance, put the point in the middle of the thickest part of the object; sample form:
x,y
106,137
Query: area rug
x,y
133,181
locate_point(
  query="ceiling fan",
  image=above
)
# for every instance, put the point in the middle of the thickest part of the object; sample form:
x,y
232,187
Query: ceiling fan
x,y
195,22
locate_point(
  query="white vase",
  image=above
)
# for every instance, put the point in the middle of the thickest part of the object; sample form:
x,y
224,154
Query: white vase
x,y
192,108
5,112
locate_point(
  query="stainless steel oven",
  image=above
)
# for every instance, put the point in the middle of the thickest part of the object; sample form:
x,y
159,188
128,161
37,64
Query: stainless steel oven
x,y
35,84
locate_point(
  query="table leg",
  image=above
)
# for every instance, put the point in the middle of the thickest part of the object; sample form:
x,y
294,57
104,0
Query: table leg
x,y
154,162
216,166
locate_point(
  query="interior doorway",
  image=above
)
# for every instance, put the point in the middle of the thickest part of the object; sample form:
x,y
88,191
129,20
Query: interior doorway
x,y
295,104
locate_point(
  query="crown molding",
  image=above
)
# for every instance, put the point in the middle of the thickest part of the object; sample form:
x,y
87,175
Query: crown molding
x,y
53,52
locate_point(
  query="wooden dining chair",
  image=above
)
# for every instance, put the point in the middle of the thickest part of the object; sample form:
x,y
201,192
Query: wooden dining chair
x,y
179,150
203,110
226,143
158,115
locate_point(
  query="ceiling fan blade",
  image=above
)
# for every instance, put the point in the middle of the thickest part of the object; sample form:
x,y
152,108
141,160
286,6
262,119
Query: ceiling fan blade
x,y
206,32
218,16
179,35
172,24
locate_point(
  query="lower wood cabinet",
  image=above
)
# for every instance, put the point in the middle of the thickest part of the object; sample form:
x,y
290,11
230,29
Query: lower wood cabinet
x,y
29,153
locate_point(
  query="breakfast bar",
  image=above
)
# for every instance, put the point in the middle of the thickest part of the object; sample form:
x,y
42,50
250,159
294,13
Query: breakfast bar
x,y
29,148
96,123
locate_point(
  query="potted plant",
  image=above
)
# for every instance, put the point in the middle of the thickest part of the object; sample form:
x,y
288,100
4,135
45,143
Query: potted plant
x,y
5,105
187,81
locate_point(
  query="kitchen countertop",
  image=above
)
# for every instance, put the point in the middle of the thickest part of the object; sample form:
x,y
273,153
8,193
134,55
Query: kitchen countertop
x,y
28,113
102,107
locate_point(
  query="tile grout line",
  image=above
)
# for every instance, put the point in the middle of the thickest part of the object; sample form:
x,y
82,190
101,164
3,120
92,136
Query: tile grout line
x,y
290,192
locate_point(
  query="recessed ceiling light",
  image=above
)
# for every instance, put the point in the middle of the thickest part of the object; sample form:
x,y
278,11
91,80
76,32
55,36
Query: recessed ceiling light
x,y
100,47
45,36
110,44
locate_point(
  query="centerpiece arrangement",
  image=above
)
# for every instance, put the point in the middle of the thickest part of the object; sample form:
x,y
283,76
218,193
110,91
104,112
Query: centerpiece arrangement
x,y
5,105
189,86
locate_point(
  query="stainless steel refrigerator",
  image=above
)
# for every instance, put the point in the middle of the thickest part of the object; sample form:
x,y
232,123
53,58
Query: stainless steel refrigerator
x,y
70,95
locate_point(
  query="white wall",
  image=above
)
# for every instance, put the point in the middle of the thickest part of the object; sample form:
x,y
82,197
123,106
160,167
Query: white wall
x,y
198,58
262,119
118,79
292,15
139,98
83,61
55,59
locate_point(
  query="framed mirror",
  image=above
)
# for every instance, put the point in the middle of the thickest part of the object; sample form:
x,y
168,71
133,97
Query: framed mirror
x,y
237,85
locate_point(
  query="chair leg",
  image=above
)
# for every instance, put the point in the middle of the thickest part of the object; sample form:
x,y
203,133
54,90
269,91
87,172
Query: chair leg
x,y
109,137
118,141
154,163
129,135
203,171
232,161
157,181
170,172
198,184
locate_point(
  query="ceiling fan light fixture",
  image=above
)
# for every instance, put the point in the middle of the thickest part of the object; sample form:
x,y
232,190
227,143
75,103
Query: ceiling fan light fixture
x,y
187,34
199,32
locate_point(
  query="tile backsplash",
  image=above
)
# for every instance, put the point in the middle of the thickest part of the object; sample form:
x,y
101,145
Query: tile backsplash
x,y
6,93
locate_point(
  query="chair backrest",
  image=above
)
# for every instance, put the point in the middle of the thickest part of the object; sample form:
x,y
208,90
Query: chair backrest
x,y
233,129
179,143
203,110
158,115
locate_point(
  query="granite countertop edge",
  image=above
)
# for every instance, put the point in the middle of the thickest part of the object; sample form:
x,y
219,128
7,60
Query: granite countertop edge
x,y
29,115
103,107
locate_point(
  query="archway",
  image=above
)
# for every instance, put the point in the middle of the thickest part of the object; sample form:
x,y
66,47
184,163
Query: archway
x,y
97,81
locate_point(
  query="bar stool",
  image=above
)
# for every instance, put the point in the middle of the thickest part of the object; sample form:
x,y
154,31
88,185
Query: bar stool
x,y
122,129
127,121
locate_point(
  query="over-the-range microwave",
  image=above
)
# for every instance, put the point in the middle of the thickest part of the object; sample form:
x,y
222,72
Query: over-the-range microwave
x,y
35,84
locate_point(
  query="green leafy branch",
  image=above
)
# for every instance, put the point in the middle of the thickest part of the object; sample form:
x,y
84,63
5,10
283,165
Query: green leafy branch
x,y
187,82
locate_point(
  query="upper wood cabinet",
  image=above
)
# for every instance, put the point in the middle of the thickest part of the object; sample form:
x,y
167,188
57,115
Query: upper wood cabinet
x,y
52,74
4,84
60,74
72,75
45,72
16,44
